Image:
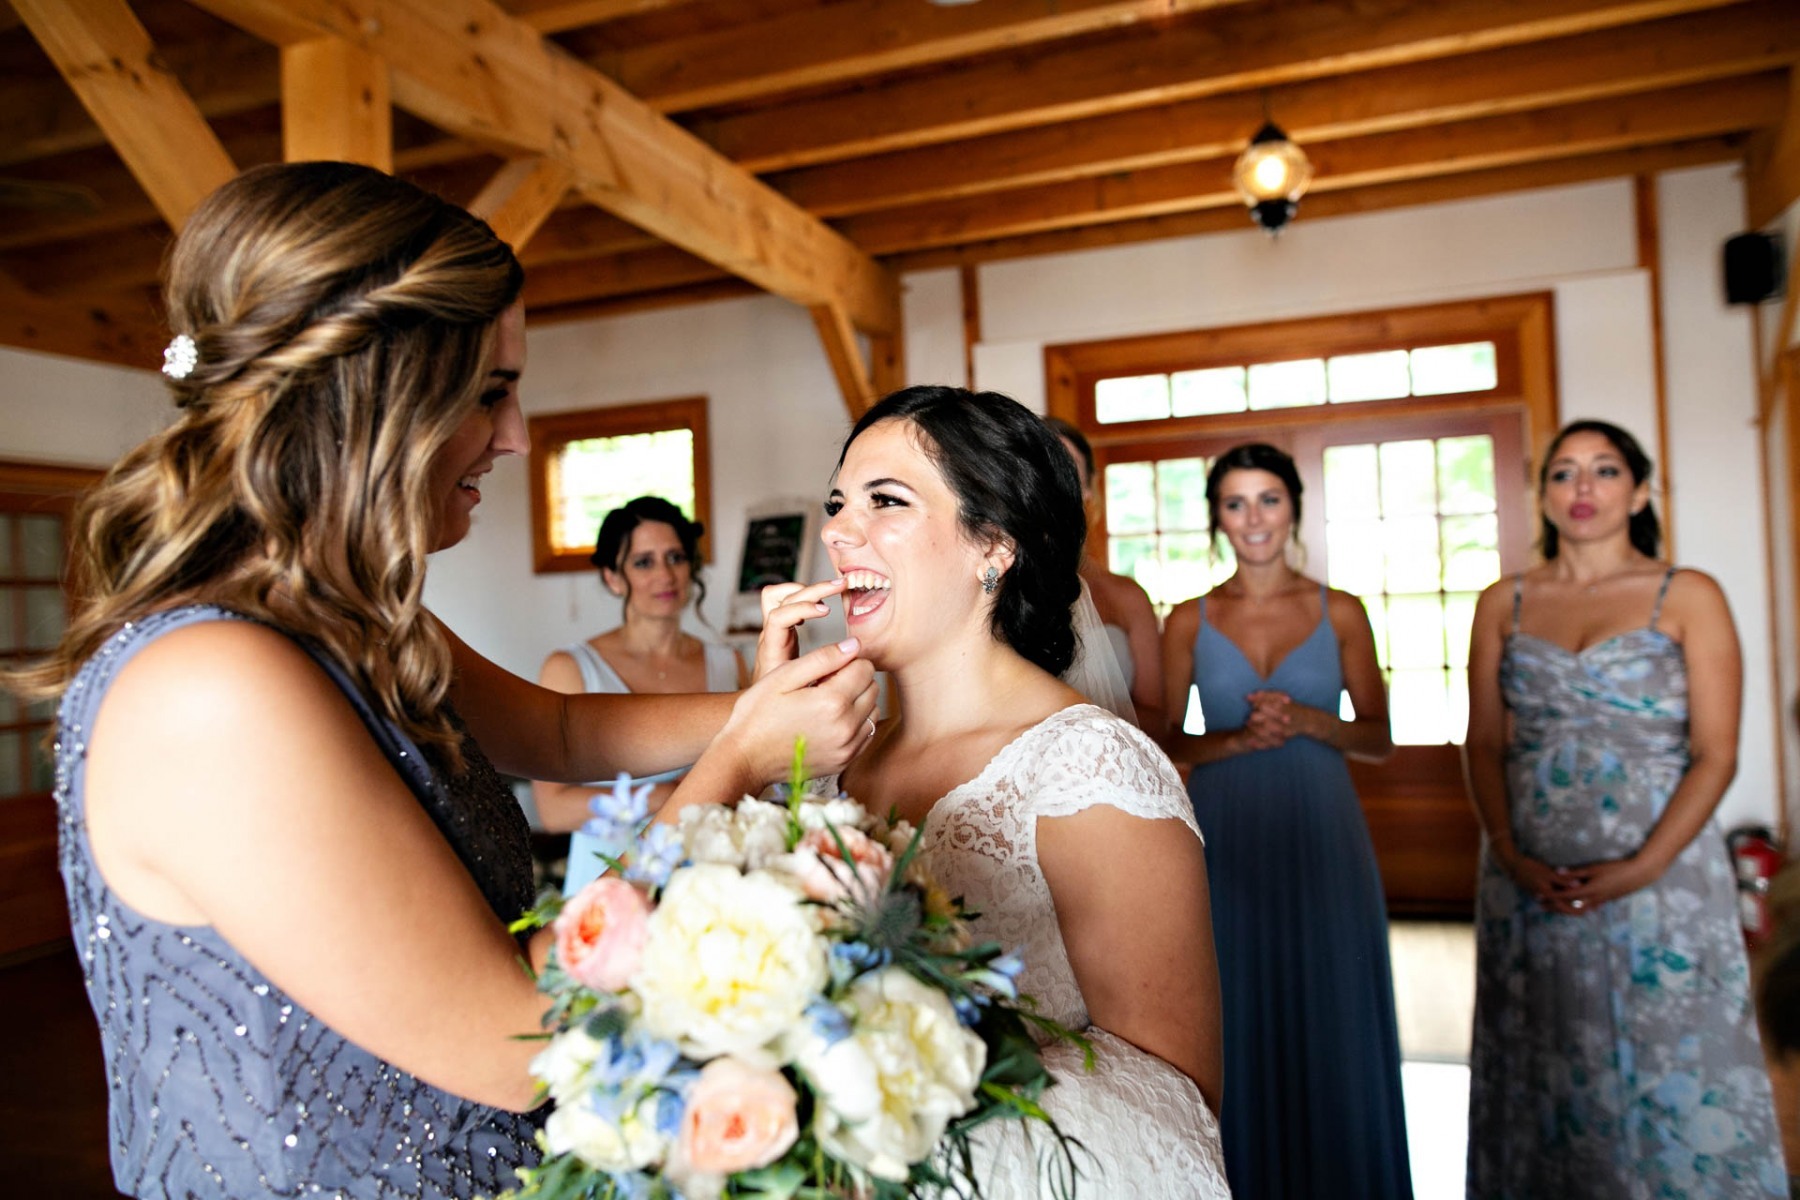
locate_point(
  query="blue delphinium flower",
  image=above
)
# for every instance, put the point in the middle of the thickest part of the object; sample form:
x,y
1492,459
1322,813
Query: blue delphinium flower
x,y
618,815
850,959
1001,976
658,853
828,1021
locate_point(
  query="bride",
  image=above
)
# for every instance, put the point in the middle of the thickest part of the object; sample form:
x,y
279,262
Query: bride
x,y
1063,826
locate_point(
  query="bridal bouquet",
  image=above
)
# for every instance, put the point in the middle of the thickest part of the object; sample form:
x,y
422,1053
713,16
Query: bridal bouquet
x,y
774,1000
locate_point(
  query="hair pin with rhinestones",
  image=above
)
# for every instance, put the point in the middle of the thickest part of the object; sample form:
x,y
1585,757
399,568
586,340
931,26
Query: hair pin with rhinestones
x,y
181,357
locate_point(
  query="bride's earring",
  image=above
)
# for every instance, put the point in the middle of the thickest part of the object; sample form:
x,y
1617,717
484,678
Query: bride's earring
x,y
990,581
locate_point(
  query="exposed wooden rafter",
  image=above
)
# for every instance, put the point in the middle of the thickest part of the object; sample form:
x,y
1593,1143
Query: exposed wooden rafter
x,y
469,68
106,56
1238,49
841,42
521,196
924,134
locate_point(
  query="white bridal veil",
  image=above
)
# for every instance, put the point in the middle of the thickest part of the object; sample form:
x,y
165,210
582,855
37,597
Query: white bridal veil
x,y
1096,673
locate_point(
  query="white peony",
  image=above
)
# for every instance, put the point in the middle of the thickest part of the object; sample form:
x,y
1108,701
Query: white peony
x,y
762,832
924,1065
630,1145
709,834
566,1064
731,963
840,811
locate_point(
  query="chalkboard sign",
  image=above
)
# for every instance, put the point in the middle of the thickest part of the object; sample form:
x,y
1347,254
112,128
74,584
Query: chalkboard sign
x,y
772,548
779,540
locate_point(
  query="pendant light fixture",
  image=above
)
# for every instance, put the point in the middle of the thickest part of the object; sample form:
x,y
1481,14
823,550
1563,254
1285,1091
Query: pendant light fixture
x,y
1271,175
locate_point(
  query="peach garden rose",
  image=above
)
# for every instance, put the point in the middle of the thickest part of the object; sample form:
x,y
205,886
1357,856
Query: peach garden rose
x,y
600,933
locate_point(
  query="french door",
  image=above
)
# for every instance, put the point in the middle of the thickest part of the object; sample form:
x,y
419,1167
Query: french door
x,y
1414,515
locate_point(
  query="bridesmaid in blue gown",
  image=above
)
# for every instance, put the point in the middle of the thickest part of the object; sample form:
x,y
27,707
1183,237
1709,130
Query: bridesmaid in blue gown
x,y
1312,1056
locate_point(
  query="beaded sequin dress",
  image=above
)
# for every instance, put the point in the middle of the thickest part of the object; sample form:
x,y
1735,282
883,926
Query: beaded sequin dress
x,y
1615,1052
1147,1133
221,1085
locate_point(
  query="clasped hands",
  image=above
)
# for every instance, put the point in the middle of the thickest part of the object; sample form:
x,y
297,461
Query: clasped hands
x,y
1578,890
1274,718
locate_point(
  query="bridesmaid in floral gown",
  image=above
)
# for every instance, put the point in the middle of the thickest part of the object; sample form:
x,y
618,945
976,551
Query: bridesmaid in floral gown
x,y
1615,1050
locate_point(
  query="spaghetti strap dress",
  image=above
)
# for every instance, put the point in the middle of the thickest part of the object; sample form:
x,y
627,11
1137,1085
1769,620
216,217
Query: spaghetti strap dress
x,y
1615,1052
597,675
1312,1052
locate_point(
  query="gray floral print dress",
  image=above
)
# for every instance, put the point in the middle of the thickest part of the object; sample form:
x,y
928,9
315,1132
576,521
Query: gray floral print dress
x,y
1615,1053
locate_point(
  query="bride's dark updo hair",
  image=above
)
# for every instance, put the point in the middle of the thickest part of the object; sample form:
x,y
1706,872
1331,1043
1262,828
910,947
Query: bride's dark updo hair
x,y
1012,480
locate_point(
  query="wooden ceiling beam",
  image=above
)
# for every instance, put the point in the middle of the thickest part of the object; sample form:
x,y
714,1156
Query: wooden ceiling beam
x,y
1236,49
837,43
1640,58
1772,178
1596,127
694,293
467,67
845,357
1469,185
555,16
225,75
521,196
107,58
615,275
336,102
124,329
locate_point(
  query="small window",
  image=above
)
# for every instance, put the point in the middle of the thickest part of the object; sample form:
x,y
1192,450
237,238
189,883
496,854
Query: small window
x,y
585,464
1465,367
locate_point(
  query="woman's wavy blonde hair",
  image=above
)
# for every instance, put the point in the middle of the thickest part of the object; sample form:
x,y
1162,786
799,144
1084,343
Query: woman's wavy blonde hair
x,y
342,319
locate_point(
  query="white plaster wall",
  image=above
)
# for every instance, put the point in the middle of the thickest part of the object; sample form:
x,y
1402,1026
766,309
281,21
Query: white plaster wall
x,y
1578,242
63,410
774,421
1714,448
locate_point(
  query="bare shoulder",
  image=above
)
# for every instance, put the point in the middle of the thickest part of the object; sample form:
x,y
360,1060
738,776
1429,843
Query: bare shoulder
x,y
1345,608
221,682
1183,620
1695,599
1496,599
560,673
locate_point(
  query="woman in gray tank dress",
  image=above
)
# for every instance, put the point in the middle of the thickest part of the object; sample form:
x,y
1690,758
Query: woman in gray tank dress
x,y
289,865
648,554
1615,1050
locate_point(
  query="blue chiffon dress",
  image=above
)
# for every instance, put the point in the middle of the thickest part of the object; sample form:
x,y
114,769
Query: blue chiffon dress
x,y
1312,1053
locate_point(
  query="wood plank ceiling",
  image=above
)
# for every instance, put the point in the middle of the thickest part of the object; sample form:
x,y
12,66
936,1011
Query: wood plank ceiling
x,y
833,138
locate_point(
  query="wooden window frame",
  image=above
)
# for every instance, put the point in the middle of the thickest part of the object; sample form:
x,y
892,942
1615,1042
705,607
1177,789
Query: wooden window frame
x,y
551,432
1521,326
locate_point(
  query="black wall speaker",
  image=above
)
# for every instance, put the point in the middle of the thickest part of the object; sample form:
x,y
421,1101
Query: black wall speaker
x,y
1754,268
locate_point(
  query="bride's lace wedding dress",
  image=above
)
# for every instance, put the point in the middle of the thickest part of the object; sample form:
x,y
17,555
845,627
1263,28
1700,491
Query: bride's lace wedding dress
x,y
1147,1132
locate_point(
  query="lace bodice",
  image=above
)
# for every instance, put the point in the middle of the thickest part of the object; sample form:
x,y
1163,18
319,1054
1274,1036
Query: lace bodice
x,y
1146,1132
981,838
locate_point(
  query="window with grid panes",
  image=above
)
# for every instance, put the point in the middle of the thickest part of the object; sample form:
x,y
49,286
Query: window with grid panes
x,y
32,614
585,464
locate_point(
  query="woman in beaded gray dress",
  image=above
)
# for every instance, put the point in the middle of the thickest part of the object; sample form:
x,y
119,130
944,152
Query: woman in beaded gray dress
x,y
290,866
1615,1050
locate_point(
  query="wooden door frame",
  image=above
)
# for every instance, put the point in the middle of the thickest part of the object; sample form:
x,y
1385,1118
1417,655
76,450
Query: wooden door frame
x,y
33,912
1425,833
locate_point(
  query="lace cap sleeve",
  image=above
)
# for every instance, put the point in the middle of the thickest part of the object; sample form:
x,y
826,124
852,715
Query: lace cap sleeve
x,y
1086,756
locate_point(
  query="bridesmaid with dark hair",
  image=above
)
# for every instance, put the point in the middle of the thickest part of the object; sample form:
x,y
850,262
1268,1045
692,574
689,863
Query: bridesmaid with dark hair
x,y
1312,1052
1615,1049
